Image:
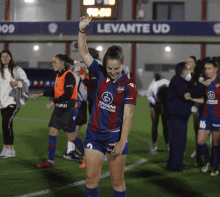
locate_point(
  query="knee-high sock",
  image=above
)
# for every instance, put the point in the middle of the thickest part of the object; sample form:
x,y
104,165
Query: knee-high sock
x,y
119,194
92,192
198,152
205,152
79,145
52,147
215,157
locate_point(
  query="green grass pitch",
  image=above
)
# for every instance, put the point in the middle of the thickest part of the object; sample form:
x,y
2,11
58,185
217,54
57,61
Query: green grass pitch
x,y
19,175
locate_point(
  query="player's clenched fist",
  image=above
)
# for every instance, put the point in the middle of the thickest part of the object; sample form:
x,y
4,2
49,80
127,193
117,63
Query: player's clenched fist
x,y
84,22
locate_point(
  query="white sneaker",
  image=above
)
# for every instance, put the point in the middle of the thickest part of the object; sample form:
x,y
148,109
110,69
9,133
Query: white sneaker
x,y
167,148
193,154
11,153
153,149
4,153
105,158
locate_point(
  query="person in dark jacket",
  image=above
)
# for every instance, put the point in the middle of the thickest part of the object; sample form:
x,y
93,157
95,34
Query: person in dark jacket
x,y
92,82
179,104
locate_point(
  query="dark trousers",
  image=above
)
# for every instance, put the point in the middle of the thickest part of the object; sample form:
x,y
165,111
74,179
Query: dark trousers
x,y
8,114
177,140
91,101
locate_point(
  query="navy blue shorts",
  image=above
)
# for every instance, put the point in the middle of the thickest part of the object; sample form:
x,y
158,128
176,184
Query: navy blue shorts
x,y
64,119
212,124
100,141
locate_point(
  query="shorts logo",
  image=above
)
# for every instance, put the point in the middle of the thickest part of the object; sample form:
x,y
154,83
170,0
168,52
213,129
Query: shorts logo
x,y
107,97
109,149
120,89
211,95
131,84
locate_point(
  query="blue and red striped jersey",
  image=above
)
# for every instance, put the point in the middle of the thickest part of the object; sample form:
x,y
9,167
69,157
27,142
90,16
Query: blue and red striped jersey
x,y
108,107
212,94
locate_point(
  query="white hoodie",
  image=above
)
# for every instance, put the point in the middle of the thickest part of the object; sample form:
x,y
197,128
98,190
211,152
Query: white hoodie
x,y
5,87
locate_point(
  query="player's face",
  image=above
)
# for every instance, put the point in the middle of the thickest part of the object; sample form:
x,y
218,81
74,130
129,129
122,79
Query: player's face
x,y
186,71
57,64
5,58
114,69
210,70
191,64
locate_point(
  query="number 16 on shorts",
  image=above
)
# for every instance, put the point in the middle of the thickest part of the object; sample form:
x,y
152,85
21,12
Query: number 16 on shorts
x,y
202,124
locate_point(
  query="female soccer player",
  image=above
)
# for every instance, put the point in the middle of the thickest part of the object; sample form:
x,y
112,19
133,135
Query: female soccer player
x,y
111,116
11,76
191,62
210,120
65,112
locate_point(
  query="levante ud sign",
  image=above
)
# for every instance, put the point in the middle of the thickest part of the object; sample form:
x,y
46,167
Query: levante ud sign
x,y
112,28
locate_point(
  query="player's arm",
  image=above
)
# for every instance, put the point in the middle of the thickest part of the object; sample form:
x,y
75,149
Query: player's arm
x,y
83,48
127,119
187,96
45,93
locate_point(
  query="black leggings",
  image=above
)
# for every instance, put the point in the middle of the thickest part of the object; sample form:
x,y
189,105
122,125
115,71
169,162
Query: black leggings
x,y
8,114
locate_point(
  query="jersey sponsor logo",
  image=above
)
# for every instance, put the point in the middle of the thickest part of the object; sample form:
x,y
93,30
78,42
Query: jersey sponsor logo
x,y
107,107
211,95
107,80
120,89
107,97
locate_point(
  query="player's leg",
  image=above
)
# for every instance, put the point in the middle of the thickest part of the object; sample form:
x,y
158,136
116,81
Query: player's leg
x,y
8,114
155,121
116,168
203,148
215,146
94,161
71,135
52,145
196,128
165,131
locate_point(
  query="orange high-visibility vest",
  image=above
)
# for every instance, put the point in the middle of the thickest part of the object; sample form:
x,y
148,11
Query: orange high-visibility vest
x,y
59,86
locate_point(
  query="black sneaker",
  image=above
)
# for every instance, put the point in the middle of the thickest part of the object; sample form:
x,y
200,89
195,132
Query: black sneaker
x,y
199,164
71,156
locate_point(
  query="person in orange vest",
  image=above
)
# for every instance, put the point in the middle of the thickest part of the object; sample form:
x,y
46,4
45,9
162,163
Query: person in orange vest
x,y
65,112
78,70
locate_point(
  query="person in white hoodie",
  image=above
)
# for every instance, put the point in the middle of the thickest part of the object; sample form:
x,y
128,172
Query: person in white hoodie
x,y
156,95
11,76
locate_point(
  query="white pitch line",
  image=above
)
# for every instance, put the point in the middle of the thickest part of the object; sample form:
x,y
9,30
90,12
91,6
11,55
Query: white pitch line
x,y
80,183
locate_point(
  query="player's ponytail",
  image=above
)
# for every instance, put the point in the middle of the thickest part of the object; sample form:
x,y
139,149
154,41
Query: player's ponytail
x,y
65,58
113,53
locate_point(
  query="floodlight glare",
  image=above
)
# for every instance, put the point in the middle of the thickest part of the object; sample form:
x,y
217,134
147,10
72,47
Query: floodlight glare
x,y
36,47
167,49
99,48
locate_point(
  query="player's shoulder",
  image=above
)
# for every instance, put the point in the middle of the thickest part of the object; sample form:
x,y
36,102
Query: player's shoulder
x,y
129,83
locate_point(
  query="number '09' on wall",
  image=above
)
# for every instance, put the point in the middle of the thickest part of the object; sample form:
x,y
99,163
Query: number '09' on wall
x,y
7,28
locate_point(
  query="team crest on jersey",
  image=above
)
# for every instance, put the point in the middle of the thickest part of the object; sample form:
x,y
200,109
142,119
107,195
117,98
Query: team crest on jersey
x,y
121,89
56,84
217,85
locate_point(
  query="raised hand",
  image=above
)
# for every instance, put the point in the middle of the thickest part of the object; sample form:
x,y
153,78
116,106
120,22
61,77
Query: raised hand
x,y
84,22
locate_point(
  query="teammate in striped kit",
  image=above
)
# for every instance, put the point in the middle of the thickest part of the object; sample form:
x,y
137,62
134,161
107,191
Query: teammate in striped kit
x,y
210,120
111,116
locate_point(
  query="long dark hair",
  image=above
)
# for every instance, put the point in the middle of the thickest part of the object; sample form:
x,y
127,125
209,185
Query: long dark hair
x,y
113,53
11,64
65,58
